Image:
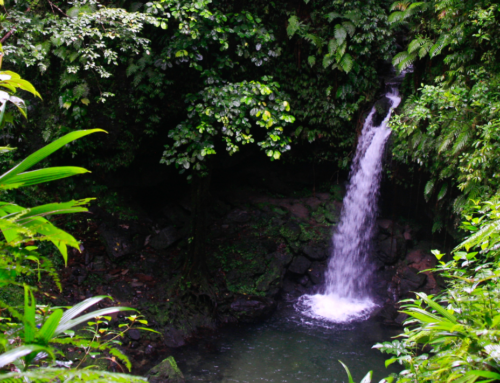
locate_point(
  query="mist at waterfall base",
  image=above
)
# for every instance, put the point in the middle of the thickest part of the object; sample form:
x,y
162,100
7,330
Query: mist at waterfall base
x,y
346,295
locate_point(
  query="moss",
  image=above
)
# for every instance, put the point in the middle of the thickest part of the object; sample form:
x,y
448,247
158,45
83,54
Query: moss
x,y
166,371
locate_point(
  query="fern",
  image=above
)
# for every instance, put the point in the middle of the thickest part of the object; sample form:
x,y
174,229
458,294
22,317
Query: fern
x,y
346,63
349,27
293,26
340,34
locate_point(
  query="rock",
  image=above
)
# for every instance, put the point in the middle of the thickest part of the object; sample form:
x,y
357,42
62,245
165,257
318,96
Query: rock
x,y
410,280
249,309
332,212
389,250
166,372
304,281
284,257
401,318
175,215
271,278
134,334
316,252
299,265
173,338
118,241
317,273
238,216
415,256
165,238
290,231
385,226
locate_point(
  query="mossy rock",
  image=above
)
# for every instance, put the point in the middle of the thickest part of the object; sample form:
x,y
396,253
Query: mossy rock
x,y
166,372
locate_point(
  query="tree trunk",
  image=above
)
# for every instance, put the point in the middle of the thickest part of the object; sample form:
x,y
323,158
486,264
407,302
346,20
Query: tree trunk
x,y
195,261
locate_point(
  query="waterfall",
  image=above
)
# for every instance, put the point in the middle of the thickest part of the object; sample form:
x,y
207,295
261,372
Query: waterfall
x,y
347,296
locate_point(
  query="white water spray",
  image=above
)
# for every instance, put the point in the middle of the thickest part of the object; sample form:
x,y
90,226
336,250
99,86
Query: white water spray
x,y
347,292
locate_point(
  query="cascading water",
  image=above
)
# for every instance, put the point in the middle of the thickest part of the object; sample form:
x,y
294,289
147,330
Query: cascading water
x,y
347,292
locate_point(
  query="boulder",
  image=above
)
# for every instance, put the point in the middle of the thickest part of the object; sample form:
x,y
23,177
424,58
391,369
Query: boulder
x,y
250,309
411,280
238,216
390,250
119,241
166,372
316,252
165,238
290,231
173,337
317,273
300,265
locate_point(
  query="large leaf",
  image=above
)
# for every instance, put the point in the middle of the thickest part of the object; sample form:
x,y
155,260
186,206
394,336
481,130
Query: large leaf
x,y
29,316
16,353
39,155
40,176
49,327
436,306
84,318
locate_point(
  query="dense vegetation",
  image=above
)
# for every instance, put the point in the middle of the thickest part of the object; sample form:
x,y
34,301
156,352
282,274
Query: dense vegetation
x,y
189,82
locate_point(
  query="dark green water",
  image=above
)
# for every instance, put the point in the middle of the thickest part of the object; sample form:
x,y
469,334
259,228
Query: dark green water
x,y
287,348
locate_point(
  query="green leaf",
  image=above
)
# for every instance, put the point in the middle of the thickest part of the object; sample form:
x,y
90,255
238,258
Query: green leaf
x,y
442,192
40,176
49,327
332,16
39,155
84,318
12,355
293,26
311,60
367,378
340,34
347,371
346,63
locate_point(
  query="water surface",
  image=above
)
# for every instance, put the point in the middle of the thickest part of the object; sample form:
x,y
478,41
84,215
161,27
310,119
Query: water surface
x,y
289,347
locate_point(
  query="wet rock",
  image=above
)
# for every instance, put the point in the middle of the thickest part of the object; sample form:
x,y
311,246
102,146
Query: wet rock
x,y
411,280
390,250
388,312
317,273
249,309
165,238
173,337
316,252
385,226
299,265
284,257
270,281
166,372
290,231
305,281
332,212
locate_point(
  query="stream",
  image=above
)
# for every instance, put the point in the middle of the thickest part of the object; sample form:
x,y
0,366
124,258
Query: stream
x,y
289,347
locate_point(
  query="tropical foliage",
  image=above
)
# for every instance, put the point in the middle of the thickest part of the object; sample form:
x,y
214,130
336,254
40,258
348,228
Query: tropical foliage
x,y
29,337
453,337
